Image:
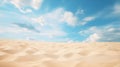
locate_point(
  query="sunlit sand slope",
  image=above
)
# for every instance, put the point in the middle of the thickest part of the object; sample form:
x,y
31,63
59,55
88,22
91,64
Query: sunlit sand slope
x,y
48,54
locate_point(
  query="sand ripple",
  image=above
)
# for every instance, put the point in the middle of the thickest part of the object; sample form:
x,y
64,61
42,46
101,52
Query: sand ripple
x,y
42,54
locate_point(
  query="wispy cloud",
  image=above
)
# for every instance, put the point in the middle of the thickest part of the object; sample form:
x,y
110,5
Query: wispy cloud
x,y
35,21
117,8
110,11
52,34
92,38
27,26
25,6
36,4
47,25
14,29
86,20
30,32
106,33
57,16
79,12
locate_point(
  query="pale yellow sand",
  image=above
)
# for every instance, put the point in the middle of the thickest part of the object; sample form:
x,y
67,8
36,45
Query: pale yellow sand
x,y
42,54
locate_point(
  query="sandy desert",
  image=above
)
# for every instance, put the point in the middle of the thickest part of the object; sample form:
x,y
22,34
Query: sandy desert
x,y
17,53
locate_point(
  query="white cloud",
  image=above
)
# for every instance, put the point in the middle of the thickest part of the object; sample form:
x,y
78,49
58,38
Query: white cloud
x,y
36,4
44,32
117,9
25,5
19,4
105,33
69,18
57,16
51,22
86,20
48,25
52,33
39,20
93,38
28,11
110,12
14,29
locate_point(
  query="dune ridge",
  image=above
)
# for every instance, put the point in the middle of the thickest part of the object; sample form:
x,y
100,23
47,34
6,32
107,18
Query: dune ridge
x,y
18,53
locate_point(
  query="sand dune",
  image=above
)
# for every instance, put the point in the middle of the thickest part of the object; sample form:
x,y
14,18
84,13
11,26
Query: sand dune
x,y
48,54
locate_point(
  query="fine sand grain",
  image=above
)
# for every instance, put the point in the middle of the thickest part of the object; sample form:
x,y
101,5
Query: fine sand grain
x,y
47,54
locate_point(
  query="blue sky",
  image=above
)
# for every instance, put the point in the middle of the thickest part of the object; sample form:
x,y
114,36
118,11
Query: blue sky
x,y
60,20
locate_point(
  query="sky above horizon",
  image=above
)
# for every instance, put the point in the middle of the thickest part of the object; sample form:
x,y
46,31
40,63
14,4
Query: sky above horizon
x,y
60,20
